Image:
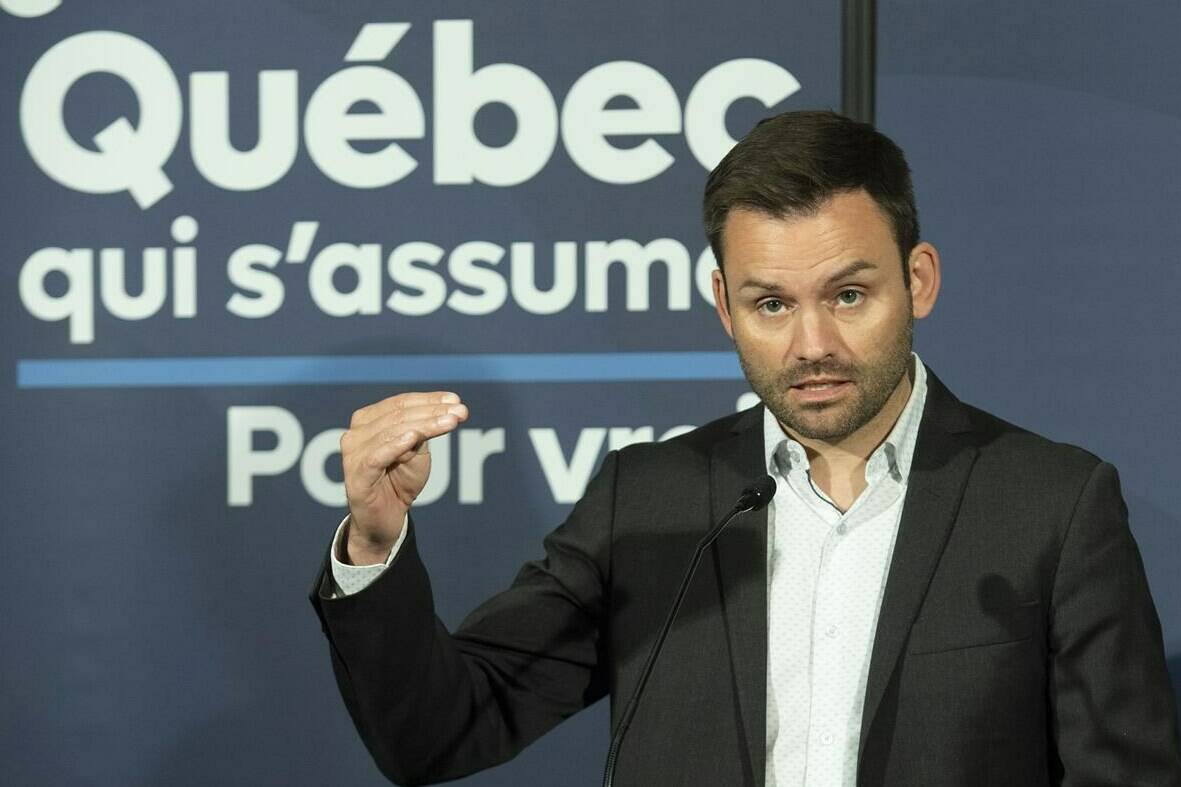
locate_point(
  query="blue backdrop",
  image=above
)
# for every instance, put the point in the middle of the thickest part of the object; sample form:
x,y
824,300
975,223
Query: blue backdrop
x,y
226,226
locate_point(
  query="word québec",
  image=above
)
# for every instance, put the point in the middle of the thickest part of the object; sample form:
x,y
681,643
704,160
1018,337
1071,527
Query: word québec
x,y
134,158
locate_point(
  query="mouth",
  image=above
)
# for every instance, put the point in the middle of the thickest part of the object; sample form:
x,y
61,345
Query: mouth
x,y
819,384
820,390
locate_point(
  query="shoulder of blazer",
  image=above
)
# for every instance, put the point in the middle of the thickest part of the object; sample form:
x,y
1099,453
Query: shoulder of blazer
x,y
682,465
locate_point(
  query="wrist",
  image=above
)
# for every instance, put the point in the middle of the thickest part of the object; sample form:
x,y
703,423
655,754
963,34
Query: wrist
x,y
358,549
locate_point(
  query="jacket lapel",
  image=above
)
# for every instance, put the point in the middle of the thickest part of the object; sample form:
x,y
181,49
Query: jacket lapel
x,y
741,561
943,458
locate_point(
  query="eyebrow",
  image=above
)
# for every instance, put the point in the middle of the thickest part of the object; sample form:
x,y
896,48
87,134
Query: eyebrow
x,y
755,284
853,267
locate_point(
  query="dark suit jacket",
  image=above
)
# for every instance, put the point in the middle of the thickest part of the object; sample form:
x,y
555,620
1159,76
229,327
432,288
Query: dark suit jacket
x,y
1017,643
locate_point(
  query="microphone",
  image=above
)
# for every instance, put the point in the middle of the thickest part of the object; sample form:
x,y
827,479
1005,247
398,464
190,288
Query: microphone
x,y
755,497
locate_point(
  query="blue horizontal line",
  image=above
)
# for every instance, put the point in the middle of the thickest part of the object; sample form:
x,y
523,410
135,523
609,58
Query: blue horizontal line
x,y
337,370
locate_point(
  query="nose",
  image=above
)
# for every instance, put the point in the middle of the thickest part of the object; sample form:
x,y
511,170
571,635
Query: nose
x,y
816,335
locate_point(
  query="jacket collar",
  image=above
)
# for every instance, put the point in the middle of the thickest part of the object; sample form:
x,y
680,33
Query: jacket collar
x,y
943,459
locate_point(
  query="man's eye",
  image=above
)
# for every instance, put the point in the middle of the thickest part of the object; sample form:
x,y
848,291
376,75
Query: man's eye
x,y
850,297
771,306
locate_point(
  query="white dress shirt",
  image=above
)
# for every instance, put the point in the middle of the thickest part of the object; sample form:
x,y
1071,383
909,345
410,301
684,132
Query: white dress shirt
x,y
826,571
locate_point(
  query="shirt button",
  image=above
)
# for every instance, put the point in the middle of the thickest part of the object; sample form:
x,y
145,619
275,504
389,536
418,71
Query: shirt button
x,y
842,529
830,632
826,738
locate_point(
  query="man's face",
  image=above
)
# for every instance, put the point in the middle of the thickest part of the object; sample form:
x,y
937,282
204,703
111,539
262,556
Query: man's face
x,y
819,314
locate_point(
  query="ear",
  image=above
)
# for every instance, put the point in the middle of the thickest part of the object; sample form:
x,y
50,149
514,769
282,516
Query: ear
x,y
721,302
924,278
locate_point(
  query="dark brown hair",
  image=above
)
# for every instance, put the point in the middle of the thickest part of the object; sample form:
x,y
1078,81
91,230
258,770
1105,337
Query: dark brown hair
x,y
791,164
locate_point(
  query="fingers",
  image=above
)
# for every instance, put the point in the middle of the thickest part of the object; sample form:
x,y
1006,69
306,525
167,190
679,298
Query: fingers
x,y
410,434
395,421
369,452
401,402
394,431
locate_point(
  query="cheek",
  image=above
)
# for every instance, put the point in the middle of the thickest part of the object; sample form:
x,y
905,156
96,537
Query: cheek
x,y
761,345
877,329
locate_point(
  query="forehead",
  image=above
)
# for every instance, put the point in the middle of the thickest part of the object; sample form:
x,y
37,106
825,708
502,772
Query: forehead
x,y
850,226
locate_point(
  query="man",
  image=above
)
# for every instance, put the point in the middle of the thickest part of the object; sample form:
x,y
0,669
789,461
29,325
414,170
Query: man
x,y
935,597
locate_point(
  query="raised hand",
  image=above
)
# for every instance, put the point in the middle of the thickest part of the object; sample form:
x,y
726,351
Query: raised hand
x,y
387,463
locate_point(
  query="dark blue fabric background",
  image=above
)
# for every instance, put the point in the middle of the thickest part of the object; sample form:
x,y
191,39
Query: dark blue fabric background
x,y
156,634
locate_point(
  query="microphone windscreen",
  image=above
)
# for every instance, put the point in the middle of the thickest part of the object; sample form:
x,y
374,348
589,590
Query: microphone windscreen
x,y
759,494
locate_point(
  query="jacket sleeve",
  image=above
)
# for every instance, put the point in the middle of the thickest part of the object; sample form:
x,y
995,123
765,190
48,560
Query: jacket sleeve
x,y
1111,704
431,705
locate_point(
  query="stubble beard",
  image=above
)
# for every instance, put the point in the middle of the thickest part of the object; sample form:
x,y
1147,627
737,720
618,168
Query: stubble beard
x,y
874,382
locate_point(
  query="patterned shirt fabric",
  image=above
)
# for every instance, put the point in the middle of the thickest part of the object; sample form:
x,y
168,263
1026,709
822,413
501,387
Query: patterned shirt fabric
x,y
826,572
353,579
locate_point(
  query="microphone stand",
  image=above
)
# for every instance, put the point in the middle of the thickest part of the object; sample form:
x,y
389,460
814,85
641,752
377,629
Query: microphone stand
x,y
754,497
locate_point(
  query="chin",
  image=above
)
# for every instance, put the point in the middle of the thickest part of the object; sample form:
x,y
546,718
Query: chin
x,y
810,424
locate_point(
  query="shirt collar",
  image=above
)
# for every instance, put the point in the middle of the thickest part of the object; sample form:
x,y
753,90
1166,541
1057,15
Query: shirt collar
x,y
894,455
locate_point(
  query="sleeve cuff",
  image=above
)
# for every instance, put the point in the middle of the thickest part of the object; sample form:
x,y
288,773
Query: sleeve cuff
x,y
347,579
